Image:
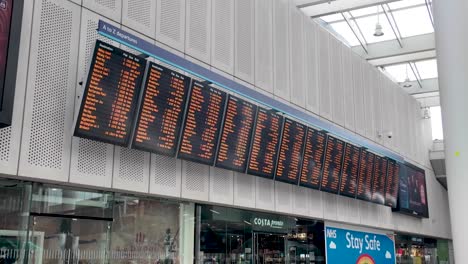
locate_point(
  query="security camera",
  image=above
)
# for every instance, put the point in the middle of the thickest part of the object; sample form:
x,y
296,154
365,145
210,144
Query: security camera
x,y
389,134
386,133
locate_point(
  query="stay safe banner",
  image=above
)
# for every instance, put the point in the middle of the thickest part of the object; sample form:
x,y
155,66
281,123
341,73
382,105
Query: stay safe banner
x,y
345,246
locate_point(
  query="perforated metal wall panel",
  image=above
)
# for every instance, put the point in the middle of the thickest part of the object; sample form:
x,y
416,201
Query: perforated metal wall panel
x,y
283,197
10,137
264,45
221,186
369,84
348,210
140,15
348,88
244,47
358,95
222,40
300,200
198,30
244,190
165,176
170,23
108,8
281,48
48,117
336,81
264,194
91,161
377,107
324,73
388,117
330,206
315,204
131,170
310,67
195,181
296,51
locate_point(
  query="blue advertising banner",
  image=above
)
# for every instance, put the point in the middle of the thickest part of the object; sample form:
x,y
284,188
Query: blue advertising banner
x,y
355,247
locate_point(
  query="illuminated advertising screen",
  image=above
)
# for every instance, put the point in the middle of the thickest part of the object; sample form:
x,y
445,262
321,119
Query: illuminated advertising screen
x,y
6,10
412,192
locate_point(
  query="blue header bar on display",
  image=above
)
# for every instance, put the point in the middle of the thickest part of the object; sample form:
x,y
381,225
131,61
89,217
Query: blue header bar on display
x,y
183,64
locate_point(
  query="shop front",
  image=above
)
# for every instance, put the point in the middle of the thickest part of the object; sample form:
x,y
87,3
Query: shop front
x,y
227,235
419,250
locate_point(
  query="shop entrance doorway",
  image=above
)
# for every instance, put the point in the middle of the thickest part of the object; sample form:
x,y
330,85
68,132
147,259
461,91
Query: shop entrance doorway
x,y
269,248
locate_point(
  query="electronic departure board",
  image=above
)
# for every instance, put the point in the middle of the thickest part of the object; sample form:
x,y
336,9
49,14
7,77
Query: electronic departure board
x,y
266,139
204,114
161,110
290,152
332,165
236,134
366,169
349,173
312,164
379,179
393,181
110,97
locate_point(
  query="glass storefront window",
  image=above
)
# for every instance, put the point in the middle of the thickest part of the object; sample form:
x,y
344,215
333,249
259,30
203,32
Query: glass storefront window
x,y
419,250
227,235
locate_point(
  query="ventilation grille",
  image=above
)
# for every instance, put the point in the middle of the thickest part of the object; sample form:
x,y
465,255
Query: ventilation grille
x,y
140,11
348,88
281,48
196,177
170,22
164,170
107,3
310,56
92,157
132,165
223,35
336,81
221,185
297,58
324,74
50,87
244,39
301,200
198,29
108,8
244,187
5,138
264,45
284,198
265,193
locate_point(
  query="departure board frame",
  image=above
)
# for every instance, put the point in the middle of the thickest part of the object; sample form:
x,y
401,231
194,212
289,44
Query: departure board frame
x,y
165,126
263,144
313,157
121,97
379,180
210,117
293,146
332,178
350,170
392,183
366,171
232,157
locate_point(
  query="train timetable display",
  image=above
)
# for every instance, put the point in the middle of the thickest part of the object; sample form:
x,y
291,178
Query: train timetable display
x,y
161,110
349,173
110,97
312,163
204,114
264,149
366,169
332,165
290,152
379,179
393,181
236,134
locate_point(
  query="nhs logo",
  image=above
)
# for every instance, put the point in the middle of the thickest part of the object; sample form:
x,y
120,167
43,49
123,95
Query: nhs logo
x,y
331,233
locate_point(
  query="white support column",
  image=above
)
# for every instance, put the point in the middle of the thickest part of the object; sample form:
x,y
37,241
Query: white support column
x,y
451,22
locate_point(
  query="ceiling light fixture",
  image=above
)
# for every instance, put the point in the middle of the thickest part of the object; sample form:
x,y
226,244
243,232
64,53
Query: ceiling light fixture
x,y
407,82
378,27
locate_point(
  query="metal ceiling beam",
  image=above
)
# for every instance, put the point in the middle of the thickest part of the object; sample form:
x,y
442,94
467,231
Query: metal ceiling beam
x,y
387,49
325,7
429,100
398,59
428,86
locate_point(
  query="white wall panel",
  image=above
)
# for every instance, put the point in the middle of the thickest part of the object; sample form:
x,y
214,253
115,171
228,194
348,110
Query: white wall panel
x,y
336,81
300,197
386,99
358,85
10,137
91,161
48,118
348,210
244,190
281,48
221,186
165,176
195,181
283,197
296,46
222,40
369,83
377,106
244,47
311,66
140,15
108,8
315,204
198,29
264,194
264,45
170,23
324,74
330,206
348,88
131,170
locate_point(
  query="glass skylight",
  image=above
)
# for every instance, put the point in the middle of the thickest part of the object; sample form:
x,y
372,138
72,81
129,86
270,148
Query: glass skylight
x,y
332,18
406,3
398,72
367,26
346,33
436,122
427,69
413,21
